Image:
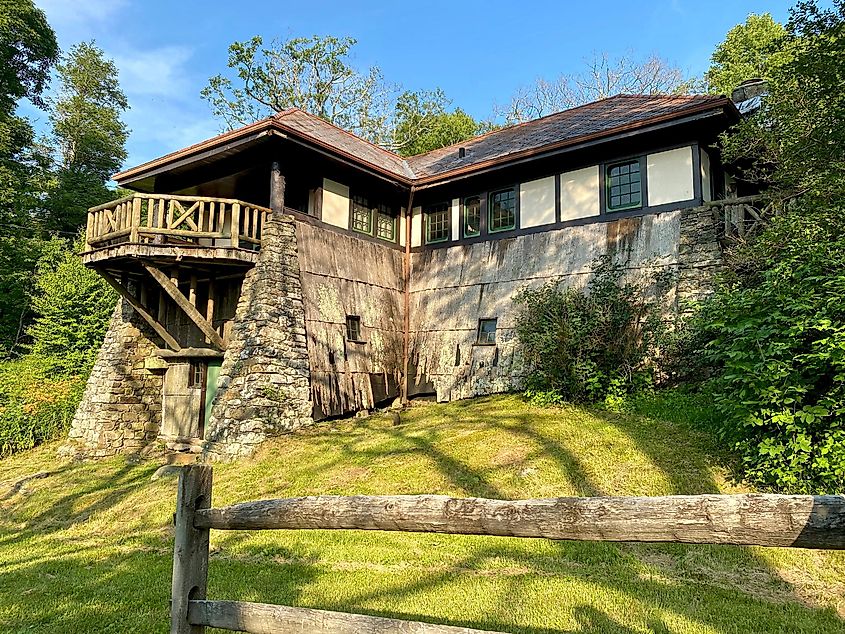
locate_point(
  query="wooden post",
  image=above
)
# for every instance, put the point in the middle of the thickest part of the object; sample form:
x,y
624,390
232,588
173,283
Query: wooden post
x,y
235,225
209,306
190,548
135,223
277,188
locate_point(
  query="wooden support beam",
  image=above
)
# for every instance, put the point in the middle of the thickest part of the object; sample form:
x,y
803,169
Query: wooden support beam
x,y
261,618
182,302
190,548
277,188
803,521
209,305
154,323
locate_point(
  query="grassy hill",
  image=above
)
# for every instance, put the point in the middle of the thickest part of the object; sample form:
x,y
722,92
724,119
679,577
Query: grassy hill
x,y
87,547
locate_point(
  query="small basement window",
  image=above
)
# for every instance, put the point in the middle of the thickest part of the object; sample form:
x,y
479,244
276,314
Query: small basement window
x,y
624,186
472,216
486,332
437,223
385,224
362,215
353,328
502,212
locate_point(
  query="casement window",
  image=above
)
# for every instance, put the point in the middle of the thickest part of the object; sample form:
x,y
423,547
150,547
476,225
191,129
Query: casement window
x,y
437,223
385,223
353,328
486,332
472,216
195,374
362,215
502,210
623,183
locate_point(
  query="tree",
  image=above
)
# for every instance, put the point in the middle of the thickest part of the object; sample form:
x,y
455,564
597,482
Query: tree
x,y
73,306
602,77
311,73
28,50
87,133
422,124
794,143
755,49
315,74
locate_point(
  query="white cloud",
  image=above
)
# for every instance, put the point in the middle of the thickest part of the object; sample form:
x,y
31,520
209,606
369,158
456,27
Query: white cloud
x,y
79,15
158,71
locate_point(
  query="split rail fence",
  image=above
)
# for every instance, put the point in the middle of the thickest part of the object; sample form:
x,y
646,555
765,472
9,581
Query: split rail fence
x,y
790,521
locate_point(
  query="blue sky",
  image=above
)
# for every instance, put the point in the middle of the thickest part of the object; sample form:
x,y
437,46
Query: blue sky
x,y
480,53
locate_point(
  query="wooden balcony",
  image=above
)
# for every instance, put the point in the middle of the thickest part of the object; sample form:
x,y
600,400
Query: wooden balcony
x,y
163,226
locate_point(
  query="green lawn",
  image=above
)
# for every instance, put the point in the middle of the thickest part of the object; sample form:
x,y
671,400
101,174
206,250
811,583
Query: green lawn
x,y
88,547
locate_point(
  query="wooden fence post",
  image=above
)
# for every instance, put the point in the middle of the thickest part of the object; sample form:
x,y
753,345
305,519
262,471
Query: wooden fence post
x,y
190,548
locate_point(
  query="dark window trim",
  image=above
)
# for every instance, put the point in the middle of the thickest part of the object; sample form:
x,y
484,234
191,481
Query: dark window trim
x,y
482,209
516,218
481,320
425,214
642,165
378,215
360,326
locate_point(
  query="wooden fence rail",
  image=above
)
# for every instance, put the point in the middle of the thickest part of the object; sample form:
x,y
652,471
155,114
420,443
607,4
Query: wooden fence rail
x,y
803,521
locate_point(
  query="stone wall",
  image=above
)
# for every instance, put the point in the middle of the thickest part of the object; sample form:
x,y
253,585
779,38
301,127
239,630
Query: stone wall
x,y
120,410
263,388
699,256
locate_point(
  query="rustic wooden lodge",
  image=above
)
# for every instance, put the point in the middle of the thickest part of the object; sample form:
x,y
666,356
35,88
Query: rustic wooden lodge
x,y
289,271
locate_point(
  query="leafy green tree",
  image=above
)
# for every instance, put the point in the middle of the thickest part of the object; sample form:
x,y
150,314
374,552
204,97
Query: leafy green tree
x,y
315,74
28,50
73,306
88,135
755,49
794,144
311,73
422,123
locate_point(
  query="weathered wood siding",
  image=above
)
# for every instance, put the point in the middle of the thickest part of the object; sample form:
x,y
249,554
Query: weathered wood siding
x,y
452,288
345,275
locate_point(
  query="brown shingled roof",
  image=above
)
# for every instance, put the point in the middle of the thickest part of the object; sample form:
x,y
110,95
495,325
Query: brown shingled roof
x,y
590,121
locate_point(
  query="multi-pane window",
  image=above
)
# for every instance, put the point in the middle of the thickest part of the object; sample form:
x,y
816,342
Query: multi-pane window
x,y
472,216
502,212
486,332
195,374
624,186
437,223
362,215
353,328
385,224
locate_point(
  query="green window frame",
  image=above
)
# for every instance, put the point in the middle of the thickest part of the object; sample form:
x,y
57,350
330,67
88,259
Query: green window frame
x,y
362,215
486,332
623,185
501,211
472,216
385,223
437,223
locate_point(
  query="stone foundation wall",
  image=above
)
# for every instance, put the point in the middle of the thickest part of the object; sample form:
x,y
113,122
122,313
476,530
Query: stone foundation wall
x,y
699,256
120,410
264,384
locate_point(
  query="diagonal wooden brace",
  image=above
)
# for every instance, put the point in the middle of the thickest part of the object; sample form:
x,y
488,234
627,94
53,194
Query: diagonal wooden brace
x,y
156,325
189,309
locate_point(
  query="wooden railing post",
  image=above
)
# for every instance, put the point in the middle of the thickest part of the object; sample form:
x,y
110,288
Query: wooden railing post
x,y
190,548
135,223
235,225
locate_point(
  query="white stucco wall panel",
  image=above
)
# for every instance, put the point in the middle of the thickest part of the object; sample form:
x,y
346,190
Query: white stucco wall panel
x,y
537,202
579,193
670,176
335,203
706,177
416,226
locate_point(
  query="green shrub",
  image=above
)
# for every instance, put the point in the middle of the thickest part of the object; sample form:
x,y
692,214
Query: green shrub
x,y
34,408
773,341
589,345
73,306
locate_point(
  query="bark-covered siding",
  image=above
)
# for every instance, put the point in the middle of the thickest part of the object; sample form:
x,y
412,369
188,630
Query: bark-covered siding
x,y
344,275
452,288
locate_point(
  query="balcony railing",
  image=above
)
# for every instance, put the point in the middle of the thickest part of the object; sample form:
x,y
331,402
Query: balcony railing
x,y
162,219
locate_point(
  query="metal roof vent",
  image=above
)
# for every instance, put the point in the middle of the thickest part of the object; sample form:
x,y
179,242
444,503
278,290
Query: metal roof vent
x,y
462,152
